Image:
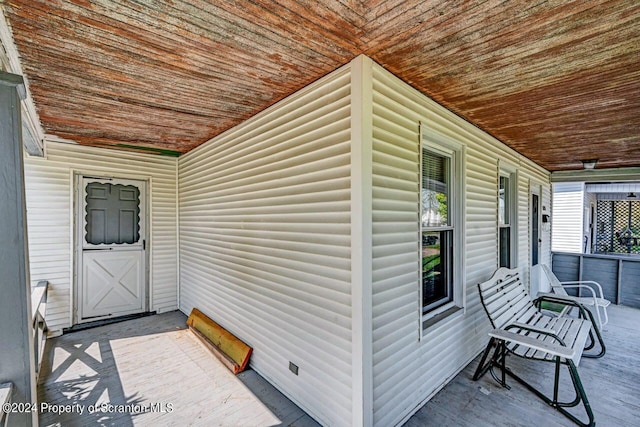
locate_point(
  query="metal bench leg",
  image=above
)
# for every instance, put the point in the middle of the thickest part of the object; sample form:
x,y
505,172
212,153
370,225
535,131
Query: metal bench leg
x,y
556,381
482,367
586,314
503,365
581,396
606,316
499,360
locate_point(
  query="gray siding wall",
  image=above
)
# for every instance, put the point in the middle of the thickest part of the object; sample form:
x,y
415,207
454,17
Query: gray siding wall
x,y
619,276
265,242
629,284
407,370
49,189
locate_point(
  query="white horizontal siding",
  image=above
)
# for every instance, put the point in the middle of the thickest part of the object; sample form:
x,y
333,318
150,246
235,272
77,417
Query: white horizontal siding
x,y
265,242
568,205
407,371
49,185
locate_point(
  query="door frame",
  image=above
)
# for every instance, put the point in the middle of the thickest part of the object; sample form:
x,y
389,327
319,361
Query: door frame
x,y
535,189
77,246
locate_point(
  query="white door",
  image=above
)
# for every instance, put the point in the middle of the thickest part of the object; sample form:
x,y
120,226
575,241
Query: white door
x,y
111,246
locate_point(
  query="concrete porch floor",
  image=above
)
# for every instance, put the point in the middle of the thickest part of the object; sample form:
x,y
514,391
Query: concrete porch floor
x,y
162,375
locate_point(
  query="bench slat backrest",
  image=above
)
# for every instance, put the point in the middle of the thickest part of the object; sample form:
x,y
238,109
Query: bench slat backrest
x,y
505,298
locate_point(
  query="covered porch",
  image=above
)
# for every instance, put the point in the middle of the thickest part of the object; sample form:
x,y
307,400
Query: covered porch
x,y
269,157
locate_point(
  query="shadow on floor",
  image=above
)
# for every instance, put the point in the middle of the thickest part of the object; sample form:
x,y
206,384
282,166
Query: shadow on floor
x,y
152,371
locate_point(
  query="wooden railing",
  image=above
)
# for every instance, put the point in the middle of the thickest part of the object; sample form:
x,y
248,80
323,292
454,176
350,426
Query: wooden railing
x,y
39,308
619,274
5,397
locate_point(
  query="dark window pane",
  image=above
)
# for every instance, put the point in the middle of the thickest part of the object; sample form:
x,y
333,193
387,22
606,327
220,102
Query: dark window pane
x,y
437,272
504,201
535,229
505,247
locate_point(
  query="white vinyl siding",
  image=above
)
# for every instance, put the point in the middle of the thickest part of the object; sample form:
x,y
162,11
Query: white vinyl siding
x,y
265,242
407,371
567,220
49,186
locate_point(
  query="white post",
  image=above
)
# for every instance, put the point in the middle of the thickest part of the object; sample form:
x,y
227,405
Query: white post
x,y
17,359
361,240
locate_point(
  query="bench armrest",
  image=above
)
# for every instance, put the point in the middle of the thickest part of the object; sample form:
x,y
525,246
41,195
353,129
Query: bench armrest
x,y
533,343
567,300
581,284
559,299
593,297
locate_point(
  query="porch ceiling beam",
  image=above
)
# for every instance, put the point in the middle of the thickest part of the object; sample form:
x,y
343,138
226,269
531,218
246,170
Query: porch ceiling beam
x,y
597,175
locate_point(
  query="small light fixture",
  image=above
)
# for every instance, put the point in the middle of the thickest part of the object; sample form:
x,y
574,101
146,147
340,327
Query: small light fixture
x,y
631,196
589,164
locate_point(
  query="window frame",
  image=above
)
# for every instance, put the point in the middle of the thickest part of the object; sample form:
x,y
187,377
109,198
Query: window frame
x,y
511,173
442,145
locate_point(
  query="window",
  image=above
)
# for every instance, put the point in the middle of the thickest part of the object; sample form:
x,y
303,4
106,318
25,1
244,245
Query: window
x,y
441,227
112,214
506,220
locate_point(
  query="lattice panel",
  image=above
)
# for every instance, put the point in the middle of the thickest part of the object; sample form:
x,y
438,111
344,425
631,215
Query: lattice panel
x,y
618,227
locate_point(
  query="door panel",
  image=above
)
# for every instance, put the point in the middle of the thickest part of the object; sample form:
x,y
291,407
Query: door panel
x,y
113,283
112,273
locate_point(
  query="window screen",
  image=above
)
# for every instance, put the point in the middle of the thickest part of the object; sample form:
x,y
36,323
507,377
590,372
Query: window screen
x,y
112,214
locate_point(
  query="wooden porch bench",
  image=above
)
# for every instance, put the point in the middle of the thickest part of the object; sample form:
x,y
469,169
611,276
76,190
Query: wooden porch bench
x,y
522,330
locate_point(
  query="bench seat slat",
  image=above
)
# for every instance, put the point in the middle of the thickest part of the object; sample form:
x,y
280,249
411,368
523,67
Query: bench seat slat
x,y
567,329
541,322
559,326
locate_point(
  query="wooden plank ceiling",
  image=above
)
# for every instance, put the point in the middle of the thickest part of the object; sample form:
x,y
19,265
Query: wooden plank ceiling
x,y
558,81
